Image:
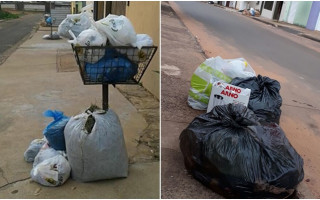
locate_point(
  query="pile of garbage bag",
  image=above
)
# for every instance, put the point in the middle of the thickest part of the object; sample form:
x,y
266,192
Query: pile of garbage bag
x,y
265,100
230,151
212,70
87,147
113,31
237,148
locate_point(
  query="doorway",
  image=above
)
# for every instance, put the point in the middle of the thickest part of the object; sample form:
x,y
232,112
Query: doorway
x,y
277,10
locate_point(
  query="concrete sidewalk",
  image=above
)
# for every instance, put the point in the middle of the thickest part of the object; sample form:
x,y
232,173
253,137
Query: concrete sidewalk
x,y
290,28
181,54
180,50
30,84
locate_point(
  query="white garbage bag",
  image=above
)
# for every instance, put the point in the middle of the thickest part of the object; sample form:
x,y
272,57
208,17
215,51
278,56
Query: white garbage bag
x,y
51,172
45,153
89,37
212,70
118,30
238,67
99,153
140,54
76,23
34,149
207,73
143,40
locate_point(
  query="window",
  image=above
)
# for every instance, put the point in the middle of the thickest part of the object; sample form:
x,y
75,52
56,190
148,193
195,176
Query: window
x,y
268,5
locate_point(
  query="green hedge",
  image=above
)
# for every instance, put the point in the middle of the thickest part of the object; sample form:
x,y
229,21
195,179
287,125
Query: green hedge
x,y
7,15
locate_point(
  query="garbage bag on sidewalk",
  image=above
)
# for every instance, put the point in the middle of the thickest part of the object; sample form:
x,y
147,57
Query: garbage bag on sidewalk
x,y
45,153
51,172
95,146
207,73
33,149
238,67
54,131
265,100
76,23
229,151
114,67
118,30
140,54
89,37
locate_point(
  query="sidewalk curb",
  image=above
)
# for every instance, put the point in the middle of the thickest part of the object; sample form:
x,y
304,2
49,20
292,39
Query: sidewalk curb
x,y
265,22
309,37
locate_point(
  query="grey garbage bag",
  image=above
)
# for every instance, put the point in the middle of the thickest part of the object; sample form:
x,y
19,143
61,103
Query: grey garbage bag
x,y
51,172
33,149
45,153
96,151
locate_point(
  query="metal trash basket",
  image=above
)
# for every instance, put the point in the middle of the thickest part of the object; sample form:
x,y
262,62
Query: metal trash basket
x,y
112,64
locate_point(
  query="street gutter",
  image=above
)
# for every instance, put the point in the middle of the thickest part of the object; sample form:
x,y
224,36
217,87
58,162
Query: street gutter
x,y
12,49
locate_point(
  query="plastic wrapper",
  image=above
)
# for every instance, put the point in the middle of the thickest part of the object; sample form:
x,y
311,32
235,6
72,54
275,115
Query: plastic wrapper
x,y
51,172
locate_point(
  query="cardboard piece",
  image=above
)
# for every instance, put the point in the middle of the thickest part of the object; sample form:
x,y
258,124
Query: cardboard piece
x,y
223,93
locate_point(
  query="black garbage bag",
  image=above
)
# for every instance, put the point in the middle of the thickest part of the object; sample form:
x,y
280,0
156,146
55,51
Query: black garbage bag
x,y
229,151
265,100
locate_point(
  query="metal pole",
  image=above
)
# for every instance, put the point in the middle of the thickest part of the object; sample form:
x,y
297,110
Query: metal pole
x,y
105,95
51,21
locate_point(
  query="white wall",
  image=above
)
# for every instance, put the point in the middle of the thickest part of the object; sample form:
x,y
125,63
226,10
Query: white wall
x,y
253,4
238,5
268,13
285,10
232,4
243,5
292,12
318,24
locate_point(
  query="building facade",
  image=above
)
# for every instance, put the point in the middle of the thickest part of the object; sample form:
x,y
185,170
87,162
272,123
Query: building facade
x,y
301,13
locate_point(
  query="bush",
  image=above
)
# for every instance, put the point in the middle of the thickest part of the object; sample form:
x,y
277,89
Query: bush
x,y
7,15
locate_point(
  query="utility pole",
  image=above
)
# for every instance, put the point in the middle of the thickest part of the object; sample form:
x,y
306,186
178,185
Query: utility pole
x,y
20,6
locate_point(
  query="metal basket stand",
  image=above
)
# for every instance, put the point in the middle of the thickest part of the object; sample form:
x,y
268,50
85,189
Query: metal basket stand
x,y
112,65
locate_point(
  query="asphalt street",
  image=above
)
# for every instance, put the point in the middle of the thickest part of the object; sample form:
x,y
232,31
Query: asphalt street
x,y
255,41
196,30
13,31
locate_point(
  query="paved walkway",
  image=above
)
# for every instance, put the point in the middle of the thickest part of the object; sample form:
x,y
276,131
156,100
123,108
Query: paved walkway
x,y
30,84
180,54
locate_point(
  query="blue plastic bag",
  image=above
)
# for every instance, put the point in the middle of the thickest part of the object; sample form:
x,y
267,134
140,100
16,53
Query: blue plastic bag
x,y
54,132
49,21
113,67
